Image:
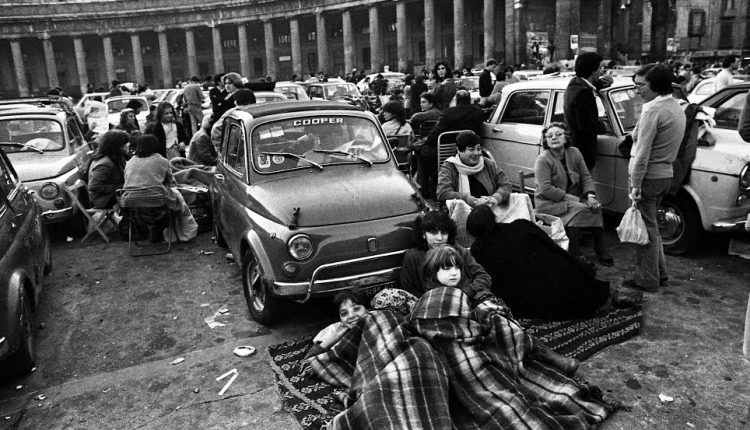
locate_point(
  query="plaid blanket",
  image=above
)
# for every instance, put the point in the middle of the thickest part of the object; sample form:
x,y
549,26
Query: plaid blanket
x,y
450,367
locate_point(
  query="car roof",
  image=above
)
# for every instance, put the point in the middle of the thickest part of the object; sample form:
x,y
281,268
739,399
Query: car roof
x,y
265,109
556,83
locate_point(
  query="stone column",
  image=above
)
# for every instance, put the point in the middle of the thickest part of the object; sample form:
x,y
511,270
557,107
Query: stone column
x,y
218,52
49,62
429,33
568,22
18,67
166,67
604,30
192,59
349,50
521,48
109,59
135,41
271,64
80,53
376,40
489,29
402,37
459,34
296,47
244,54
321,36
510,33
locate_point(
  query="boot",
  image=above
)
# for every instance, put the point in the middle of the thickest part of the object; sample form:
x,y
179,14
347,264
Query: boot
x,y
574,240
545,354
604,258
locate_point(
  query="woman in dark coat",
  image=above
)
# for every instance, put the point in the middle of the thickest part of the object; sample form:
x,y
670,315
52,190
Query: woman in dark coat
x,y
531,273
106,173
168,131
445,86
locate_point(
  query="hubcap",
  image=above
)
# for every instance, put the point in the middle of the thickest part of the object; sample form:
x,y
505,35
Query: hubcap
x,y
257,292
671,224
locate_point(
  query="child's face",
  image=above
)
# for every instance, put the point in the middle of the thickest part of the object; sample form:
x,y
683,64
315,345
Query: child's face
x,y
450,277
350,312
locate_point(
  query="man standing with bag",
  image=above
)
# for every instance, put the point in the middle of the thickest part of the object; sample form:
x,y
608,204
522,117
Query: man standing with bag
x,y
656,140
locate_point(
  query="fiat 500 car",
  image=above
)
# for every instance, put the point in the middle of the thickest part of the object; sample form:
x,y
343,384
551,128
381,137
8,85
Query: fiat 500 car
x,y
47,149
343,92
25,257
309,198
715,196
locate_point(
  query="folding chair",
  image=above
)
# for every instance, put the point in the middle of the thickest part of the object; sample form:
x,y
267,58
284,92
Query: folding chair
x,y
145,206
95,218
522,177
446,146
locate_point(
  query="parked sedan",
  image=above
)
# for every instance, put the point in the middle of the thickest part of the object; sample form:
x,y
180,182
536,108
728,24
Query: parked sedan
x,y
309,198
715,197
26,258
292,90
48,151
117,104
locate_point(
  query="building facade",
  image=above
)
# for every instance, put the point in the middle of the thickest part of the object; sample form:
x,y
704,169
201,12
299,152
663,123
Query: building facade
x,y
75,43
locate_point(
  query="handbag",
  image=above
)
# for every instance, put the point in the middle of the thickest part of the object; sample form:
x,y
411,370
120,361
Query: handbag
x,y
632,229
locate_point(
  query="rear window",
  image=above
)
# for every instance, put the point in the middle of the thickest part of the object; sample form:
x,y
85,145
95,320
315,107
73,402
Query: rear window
x,y
322,139
116,106
31,135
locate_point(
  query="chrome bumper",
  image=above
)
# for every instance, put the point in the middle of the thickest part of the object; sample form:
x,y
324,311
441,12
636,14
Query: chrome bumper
x,y
359,281
53,215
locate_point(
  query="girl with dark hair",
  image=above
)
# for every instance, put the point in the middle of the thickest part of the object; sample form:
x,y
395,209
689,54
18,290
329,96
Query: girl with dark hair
x,y
169,132
107,169
445,86
433,229
129,124
565,189
415,92
351,306
444,267
395,120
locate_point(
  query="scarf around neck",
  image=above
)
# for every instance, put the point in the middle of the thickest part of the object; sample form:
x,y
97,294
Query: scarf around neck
x,y
464,172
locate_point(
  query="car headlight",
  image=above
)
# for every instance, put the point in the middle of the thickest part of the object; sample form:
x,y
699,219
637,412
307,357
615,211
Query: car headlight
x,y
745,177
300,247
49,191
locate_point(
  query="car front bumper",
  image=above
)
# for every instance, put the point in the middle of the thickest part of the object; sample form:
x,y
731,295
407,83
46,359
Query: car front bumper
x,y
731,225
57,215
316,285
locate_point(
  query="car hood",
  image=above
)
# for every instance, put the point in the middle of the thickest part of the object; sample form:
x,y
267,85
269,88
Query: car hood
x,y
32,166
335,196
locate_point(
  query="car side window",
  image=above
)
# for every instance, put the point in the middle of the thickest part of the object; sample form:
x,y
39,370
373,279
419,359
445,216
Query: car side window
x,y
7,179
728,112
558,111
235,153
526,107
76,139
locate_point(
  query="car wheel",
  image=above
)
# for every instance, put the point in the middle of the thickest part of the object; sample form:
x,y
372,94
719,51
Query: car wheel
x,y
679,225
262,304
24,359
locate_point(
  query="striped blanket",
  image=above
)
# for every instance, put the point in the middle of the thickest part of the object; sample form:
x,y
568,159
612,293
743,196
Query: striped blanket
x,y
449,366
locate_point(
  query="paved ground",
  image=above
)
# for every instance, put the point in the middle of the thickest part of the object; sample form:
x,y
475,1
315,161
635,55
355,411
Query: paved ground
x,y
113,324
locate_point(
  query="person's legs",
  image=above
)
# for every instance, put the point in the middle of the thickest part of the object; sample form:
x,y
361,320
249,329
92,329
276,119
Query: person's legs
x,y
650,262
427,165
196,116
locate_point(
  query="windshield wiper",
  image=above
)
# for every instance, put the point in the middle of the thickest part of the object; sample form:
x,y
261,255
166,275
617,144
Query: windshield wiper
x,y
299,157
22,145
337,152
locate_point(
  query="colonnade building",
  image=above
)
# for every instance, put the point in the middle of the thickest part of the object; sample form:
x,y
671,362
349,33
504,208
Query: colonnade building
x,y
74,43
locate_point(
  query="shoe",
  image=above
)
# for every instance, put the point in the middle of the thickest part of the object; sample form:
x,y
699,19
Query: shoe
x,y
630,283
605,260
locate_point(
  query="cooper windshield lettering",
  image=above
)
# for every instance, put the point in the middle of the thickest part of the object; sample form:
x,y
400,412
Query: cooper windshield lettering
x,y
318,121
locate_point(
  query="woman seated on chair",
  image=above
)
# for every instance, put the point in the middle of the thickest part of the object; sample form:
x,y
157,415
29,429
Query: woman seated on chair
x,y
170,133
564,188
106,173
395,120
432,230
471,177
429,114
148,168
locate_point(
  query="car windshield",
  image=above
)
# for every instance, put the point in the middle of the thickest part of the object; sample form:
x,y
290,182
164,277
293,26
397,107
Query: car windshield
x,y
31,135
116,106
316,140
342,90
470,83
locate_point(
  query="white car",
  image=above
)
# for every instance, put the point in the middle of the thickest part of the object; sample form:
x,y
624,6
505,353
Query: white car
x,y
716,196
705,88
291,90
116,104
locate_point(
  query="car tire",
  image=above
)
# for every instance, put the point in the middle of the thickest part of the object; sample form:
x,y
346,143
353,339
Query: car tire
x,y
24,359
679,225
261,303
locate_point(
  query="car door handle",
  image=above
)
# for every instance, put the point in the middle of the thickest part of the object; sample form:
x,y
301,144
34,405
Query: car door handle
x,y
497,129
219,177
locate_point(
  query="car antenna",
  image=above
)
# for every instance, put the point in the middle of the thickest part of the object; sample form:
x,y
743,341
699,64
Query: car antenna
x,y
295,219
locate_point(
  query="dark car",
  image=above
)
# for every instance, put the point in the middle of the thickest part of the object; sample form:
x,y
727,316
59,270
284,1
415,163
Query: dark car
x,y
25,257
308,196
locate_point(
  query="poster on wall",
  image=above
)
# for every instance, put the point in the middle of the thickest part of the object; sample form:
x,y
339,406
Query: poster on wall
x,y
587,42
573,42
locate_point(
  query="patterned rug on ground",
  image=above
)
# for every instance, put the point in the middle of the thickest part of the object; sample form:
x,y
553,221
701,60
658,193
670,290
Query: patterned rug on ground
x,y
312,402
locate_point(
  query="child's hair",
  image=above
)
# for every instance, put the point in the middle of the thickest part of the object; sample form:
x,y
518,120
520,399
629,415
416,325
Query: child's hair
x,y
442,257
355,296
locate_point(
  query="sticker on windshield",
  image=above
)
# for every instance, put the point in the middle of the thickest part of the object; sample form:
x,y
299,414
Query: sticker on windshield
x,y
264,161
318,121
620,97
277,159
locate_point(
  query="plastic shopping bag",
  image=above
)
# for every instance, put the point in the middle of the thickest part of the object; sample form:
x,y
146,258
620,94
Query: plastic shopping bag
x,y
632,229
554,228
